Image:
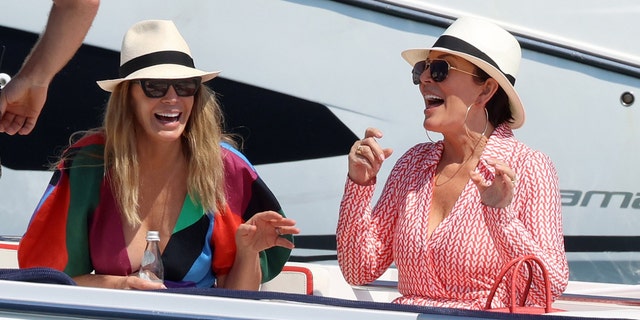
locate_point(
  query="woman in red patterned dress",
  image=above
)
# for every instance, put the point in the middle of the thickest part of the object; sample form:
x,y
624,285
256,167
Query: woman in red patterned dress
x,y
453,212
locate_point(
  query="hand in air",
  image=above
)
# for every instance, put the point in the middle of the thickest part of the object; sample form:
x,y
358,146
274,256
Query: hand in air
x,y
264,230
366,158
499,192
21,102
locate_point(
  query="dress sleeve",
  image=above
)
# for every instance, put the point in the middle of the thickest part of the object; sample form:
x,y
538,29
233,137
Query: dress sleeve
x,y
364,235
57,235
247,194
532,224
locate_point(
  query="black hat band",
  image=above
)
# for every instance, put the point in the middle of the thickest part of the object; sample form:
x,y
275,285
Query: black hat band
x,y
155,58
456,44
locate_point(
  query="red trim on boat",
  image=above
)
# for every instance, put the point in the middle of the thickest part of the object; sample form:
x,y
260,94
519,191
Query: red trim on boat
x,y
304,271
9,246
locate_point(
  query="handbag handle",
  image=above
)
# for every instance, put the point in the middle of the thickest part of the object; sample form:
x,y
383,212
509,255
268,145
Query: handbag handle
x,y
529,261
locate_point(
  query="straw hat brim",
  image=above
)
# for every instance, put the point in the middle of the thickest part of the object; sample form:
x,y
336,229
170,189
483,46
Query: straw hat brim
x,y
160,71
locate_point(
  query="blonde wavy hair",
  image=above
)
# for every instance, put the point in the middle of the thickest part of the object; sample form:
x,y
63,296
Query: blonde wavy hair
x,y
201,146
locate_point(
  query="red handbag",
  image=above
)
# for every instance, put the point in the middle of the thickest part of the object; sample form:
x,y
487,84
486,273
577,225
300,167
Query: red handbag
x,y
515,265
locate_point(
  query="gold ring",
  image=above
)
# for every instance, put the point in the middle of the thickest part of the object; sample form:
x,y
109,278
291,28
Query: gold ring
x,y
359,150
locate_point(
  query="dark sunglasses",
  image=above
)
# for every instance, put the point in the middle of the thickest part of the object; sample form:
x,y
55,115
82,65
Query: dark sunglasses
x,y
438,69
157,88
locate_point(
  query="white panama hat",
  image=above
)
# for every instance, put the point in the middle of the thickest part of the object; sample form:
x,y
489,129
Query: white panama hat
x,y
486,45
154,49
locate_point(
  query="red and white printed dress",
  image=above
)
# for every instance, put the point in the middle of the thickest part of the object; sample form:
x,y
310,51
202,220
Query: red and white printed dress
x,y
456,267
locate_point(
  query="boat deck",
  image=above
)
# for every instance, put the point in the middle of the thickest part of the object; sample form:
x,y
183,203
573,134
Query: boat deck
x,y
301,291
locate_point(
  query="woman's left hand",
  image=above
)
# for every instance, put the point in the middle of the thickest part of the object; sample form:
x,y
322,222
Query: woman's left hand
x,y
264,230
499,192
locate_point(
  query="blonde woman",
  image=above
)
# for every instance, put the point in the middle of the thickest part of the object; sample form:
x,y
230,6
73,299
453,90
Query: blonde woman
x,y
160,162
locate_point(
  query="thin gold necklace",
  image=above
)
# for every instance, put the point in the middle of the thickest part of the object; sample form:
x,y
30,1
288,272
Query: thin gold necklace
x,y
436,184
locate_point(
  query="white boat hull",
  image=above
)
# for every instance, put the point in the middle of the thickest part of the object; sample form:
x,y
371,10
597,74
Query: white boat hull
x,y
346,58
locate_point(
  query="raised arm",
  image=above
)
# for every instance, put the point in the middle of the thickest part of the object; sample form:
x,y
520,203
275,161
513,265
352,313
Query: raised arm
x,y
23,98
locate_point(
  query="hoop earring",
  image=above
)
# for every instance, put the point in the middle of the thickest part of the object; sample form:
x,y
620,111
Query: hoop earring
x,y
486,122
428,137
464,123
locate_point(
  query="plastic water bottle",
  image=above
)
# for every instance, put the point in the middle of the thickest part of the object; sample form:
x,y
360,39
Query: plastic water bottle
x,y
151,267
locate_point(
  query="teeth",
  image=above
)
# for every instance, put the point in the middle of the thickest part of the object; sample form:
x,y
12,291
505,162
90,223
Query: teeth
x,y
431,97
169,115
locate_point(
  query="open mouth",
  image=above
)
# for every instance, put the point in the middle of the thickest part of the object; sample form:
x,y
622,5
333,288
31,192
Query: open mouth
x,y
433,101
168,117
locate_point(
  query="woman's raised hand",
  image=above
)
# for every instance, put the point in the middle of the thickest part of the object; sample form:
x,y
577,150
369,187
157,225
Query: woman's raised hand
x,y
366,157
499,192
264,231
